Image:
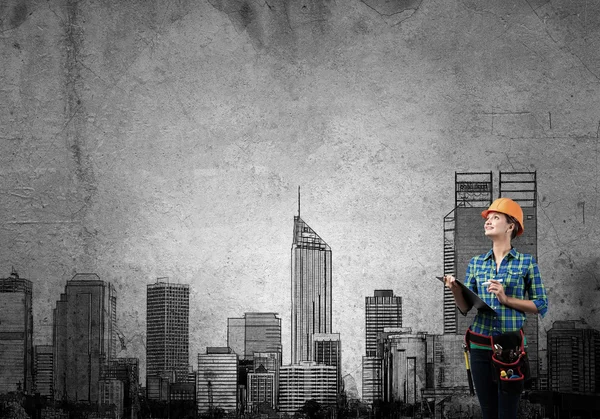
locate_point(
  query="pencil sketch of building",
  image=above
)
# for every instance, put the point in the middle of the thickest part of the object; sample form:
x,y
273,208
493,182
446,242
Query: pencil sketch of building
x,y
305,381
16,334
43,358
261,389
264,363
573,358
382,310
327,350
119,385
311,289
217,380
167,338
84,337
254,332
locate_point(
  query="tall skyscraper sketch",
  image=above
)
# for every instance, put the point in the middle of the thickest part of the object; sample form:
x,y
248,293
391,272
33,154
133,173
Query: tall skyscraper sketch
x,y
167,337
382,310
464,238
255,332
16,334
311,289
84,337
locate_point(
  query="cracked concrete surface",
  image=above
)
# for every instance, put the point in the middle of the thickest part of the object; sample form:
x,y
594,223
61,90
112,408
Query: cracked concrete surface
x,y
149,139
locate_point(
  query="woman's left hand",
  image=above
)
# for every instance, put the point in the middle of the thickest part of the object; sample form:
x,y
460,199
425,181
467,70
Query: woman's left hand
x,y
496,288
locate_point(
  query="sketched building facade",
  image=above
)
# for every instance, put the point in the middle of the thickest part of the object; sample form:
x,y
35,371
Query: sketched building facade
x,y
304,381
120,384
84,337
43,357
217,380
167,336
573,358
261,389
371,379
382,310
403,365
255,332
112,392
311,289
328,351
16,334
267,362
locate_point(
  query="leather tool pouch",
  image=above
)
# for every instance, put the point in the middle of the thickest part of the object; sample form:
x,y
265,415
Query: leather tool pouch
x,y
510,362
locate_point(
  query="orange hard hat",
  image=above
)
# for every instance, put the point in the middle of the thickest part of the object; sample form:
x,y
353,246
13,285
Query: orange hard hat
x,y
509,207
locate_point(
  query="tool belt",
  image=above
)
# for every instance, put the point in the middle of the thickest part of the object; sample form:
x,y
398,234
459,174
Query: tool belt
x,y
510,363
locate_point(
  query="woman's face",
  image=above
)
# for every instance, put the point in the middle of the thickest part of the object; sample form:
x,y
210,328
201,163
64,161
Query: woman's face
x,y
496,225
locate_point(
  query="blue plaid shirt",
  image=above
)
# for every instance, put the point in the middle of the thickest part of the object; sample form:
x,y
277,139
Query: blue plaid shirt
x,y
520,275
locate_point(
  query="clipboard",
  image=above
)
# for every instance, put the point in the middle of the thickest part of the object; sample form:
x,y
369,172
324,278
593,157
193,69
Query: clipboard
x,y
471,298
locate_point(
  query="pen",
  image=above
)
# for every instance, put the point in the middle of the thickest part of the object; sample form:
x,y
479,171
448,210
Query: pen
x,y
486,283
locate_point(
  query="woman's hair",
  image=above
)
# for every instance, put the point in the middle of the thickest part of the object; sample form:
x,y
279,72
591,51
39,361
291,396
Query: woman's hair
x,y
512,220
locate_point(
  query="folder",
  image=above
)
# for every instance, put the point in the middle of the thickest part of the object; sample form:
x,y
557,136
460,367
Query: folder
x,y
471,298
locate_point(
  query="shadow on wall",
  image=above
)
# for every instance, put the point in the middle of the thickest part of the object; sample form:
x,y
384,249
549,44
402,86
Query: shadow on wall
x,y
13,14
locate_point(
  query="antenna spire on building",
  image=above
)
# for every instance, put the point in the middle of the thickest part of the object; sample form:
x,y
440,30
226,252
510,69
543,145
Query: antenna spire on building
x,y
298,201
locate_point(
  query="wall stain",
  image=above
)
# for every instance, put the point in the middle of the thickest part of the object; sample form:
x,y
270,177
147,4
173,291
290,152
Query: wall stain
x,y
13,17
273,25
75,121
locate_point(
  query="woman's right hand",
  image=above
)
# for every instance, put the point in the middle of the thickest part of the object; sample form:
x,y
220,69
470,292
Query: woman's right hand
x,y
451,283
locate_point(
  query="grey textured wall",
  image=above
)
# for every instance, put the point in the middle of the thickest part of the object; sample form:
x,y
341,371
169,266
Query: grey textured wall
x,y
141,139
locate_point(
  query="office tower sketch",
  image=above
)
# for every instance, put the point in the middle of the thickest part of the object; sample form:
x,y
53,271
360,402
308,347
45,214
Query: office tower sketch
x,y
217,384
119,385
255,332
403,366
328,351
311,289
382,310
167,336
112,392
261,389
306,381
84,337
371,378
268,362
43,358
464,238
16,334
573,358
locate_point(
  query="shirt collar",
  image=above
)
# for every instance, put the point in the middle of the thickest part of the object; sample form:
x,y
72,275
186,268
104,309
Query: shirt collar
x,y
490,254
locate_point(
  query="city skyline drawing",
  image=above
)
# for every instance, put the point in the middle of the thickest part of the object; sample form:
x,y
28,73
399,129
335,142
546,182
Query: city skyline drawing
x,y
165,142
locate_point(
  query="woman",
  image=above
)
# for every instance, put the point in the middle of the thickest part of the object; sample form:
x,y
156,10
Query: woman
x,y
510,283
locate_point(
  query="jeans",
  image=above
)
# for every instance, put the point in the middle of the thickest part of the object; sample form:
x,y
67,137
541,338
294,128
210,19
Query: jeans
x,y
494,403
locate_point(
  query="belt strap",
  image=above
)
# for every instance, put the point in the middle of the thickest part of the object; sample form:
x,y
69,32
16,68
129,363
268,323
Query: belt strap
x,y
477,338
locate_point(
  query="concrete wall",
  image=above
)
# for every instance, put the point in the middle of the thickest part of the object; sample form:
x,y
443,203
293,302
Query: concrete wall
x,y
144,139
